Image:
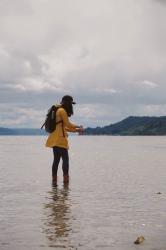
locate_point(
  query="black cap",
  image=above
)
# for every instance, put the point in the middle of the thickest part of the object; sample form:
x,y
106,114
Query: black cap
x,y
67,98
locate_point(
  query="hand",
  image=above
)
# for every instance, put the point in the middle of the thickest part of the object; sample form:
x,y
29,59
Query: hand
x,y
80,130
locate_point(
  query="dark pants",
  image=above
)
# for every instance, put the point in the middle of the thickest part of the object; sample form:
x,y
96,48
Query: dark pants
x,y
58,154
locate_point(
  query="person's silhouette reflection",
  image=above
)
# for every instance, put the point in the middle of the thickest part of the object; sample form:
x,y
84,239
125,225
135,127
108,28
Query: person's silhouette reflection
x,y
57,211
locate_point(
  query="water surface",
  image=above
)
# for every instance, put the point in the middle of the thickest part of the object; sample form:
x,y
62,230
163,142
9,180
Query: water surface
x,y
112,197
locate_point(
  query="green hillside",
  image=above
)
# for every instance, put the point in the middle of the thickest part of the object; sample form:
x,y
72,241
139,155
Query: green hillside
x,y
132,126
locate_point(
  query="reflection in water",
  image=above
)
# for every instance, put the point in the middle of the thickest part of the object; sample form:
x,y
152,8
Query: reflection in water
x,y
58,214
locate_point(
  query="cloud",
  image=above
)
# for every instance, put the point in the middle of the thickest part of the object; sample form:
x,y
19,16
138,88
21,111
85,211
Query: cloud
x,y
149,84
110,55
17,115
161,1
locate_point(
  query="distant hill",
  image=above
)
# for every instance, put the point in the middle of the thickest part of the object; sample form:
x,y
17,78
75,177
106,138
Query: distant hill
x,y
22,131
132,125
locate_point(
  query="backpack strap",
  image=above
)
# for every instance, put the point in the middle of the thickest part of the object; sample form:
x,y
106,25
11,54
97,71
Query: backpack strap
x,y
62,127
42,125
61,121
56,123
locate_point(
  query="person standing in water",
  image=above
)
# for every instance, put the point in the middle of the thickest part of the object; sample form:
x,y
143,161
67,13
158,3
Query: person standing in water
x,y
58,139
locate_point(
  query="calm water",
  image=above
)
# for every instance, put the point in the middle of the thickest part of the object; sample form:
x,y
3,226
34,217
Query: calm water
x,y
111,199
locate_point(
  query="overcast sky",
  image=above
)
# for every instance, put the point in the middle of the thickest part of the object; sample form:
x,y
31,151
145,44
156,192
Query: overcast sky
x,y
110,55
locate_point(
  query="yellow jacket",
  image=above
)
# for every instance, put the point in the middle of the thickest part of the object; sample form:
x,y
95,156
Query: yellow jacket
x,y
59,136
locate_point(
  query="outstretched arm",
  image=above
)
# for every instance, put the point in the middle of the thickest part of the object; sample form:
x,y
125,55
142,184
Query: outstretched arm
x,y
78,129
69,126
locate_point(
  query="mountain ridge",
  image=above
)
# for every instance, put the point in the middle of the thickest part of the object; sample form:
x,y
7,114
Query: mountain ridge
x,y
132,125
